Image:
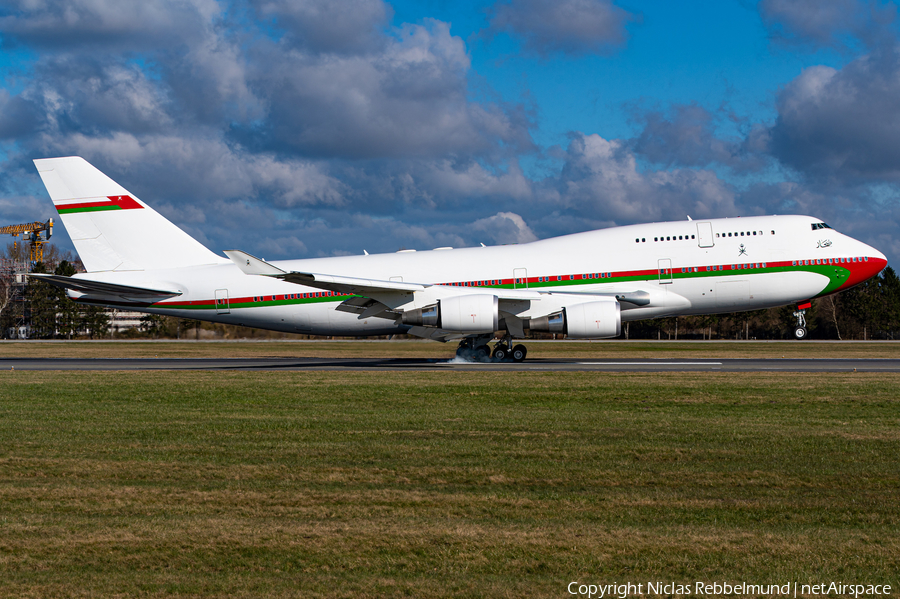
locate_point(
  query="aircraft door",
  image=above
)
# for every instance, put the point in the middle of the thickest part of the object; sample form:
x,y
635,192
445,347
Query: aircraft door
x,y
705,237
520,278
223,306
665,270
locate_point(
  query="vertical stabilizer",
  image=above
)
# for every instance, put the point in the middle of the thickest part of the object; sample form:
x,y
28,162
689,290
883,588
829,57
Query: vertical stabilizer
x,y
112,229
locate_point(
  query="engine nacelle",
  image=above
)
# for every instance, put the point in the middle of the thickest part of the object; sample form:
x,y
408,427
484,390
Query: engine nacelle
x,y
591,320
594,320
470,313
461,314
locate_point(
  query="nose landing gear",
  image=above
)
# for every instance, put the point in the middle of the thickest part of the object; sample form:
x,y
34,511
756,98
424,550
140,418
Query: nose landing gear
x,y
800,331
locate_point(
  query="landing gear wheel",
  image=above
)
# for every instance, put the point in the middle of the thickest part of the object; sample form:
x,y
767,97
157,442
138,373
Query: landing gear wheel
x,y
800,329
518,353
481,353
501,352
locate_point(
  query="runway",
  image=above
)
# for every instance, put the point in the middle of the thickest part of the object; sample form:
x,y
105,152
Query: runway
x,y
420,364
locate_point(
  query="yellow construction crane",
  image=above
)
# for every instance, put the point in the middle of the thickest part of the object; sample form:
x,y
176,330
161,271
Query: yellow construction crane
x,y
31,232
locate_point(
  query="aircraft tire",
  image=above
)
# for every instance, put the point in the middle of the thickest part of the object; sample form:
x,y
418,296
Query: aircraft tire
x,y
481,353
501,352
519,352
800,333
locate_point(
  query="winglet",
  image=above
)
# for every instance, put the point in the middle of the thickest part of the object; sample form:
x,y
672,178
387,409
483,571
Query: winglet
x,y
251,265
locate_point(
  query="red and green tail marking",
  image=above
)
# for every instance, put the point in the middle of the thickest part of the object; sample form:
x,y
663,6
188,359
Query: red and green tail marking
x,y
111,203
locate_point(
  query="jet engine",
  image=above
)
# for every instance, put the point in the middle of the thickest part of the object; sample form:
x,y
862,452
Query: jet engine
x,y
477,313
592,320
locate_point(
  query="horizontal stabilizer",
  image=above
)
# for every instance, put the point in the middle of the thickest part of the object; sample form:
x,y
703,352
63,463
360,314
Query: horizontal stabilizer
x,y
88,287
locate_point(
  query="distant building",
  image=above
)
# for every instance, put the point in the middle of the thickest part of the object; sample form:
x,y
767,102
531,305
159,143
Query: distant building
x,y
122,320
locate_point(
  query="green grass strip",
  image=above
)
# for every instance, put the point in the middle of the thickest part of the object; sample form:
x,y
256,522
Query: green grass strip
x,y
441,484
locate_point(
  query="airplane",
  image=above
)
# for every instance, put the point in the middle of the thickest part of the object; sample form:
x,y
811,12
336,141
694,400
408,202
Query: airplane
x,y
583,285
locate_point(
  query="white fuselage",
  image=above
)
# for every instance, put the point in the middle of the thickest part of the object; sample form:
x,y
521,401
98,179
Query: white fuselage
x,y
687,267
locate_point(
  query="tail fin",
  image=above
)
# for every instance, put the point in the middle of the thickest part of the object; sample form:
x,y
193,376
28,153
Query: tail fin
x,y
112,229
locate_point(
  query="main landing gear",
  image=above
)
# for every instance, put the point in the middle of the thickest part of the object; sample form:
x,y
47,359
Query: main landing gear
x,y
800,330
478,350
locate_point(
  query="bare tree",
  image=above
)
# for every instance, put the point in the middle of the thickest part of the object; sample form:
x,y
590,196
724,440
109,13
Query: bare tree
x,y
831,307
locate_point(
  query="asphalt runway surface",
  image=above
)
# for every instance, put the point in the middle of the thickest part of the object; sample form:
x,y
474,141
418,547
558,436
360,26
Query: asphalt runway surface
x,y
421,364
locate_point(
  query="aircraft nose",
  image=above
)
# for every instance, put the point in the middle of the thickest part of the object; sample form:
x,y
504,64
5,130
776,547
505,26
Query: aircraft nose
x,y
869,264
876,254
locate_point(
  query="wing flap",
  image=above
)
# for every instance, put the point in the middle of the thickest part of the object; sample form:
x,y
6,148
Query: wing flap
x,y
252,265
353,285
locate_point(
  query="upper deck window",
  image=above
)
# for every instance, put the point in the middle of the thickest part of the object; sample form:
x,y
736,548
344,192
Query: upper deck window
x,y
816,226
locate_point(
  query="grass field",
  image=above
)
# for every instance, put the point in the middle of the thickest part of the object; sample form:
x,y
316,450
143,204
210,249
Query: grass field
x,y
442,484
432,349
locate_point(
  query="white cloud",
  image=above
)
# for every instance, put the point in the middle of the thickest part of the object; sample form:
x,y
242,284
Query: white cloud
x,y
348,26
504,228
842,125
601,181
567,26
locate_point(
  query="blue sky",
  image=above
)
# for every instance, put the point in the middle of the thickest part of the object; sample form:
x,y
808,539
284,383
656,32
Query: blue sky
x,y
293,128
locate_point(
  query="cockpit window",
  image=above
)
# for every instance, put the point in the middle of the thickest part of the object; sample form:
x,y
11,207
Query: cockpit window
x,y
816,226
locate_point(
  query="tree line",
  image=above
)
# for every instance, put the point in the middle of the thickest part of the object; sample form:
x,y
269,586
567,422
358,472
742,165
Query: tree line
x,y
47,313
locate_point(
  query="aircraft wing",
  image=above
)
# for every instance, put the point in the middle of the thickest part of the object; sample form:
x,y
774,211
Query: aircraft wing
x,y
88,287
386,299
254,266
